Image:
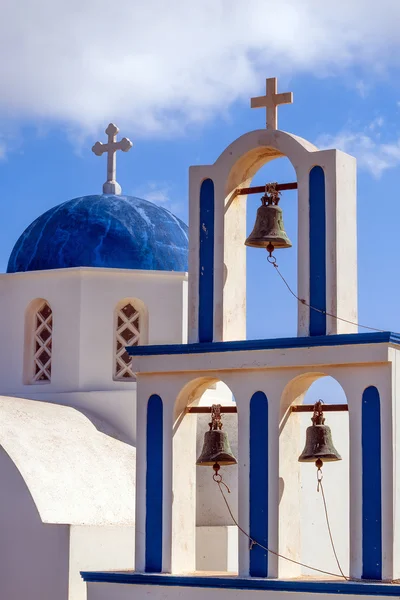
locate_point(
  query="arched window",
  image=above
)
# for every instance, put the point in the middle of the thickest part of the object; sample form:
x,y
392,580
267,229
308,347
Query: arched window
x,y
39,342
128,332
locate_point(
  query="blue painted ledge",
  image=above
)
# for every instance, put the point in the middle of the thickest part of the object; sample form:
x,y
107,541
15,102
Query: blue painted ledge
x,y
236,583
274,344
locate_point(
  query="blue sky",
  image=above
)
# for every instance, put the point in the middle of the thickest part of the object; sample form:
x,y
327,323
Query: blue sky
x,y
177,81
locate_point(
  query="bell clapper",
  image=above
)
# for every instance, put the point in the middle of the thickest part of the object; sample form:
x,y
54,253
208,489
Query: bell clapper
x,y
270,248
217,476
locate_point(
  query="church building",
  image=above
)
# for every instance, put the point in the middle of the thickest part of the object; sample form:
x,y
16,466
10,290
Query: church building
x,y
146,445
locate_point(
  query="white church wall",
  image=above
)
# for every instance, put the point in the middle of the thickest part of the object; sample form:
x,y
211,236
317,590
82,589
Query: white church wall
x,y
83,301
95,549
214,521
102,289
61,289
110,591
316,548
211,509
40,552
116,409
216,549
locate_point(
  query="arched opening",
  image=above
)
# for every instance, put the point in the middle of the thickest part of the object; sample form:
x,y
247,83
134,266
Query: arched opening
x,y
197,502
38,347
303,529
130,329
271,311
236,169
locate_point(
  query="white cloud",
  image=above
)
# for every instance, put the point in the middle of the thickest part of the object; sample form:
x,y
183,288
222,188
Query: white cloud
x,y
159,193
366,145
157,66
362,88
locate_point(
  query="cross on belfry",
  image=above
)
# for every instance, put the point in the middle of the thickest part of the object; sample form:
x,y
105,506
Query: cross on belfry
x,y
271,101
111,186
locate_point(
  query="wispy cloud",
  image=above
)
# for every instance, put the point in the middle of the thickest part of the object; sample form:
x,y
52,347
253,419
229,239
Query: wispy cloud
x,y
372,152
158,66
161,194
362,88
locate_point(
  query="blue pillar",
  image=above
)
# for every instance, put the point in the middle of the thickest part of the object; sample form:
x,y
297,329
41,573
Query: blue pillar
x,y
154,485
206,262
371,485
317,251
259,483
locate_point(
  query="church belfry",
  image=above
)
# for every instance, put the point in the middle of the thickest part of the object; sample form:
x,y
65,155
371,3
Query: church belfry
x,y
268,380
327,235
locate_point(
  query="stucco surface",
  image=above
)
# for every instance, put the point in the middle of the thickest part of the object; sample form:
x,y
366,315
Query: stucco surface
x,y
75,473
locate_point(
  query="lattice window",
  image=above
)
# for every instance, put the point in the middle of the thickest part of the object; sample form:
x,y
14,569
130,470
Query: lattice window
x,y
127,334
43,340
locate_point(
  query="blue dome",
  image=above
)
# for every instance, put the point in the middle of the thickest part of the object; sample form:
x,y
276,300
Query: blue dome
x,y
120,232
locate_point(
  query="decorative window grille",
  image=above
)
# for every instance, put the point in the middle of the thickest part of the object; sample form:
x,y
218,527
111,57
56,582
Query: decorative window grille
x,y
127,334
43,339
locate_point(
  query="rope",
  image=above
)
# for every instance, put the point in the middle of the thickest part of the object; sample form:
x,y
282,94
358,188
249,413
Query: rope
x,y
272,261
320,487
254,542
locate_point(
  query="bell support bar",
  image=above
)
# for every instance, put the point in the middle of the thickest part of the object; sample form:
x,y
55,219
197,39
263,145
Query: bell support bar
x,y
296,408
279,187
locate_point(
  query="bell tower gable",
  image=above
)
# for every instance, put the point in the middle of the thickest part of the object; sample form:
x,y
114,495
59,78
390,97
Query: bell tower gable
x,y
327,236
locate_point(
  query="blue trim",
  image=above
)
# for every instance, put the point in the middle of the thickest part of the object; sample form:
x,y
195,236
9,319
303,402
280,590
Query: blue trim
x,y
154,485
259,483
371,485
206,262
237,583
344,339
317,251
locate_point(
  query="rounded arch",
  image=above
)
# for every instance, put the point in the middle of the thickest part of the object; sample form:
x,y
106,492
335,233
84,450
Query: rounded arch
x,y
196,501
300,503
248,153
191,393
131,328
38,342
294,391
234,169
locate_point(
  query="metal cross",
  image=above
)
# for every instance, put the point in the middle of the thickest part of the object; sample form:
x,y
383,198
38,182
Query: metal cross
x,y
111,186
271,101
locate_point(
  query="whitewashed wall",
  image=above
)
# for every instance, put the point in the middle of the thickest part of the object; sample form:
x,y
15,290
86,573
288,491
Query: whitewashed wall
x,y
34,556
96,549
316,549
83,301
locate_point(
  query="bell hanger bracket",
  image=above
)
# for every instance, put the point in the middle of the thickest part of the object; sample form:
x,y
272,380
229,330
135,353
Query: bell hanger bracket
x,y
203,410
260,189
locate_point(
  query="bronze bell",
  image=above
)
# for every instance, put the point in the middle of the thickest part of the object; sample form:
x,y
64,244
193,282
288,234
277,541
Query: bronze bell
x,y
216,448
269,231
319,446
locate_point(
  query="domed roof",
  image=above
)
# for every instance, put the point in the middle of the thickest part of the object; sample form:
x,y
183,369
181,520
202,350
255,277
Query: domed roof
x,y
103,231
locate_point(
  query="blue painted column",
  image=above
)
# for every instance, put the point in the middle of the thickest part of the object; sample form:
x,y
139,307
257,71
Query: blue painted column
x,y
259,483
371,485
317,251
154,485
206,262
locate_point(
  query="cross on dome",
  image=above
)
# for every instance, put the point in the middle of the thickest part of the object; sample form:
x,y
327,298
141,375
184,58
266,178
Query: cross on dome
x,y
111,186
271,101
